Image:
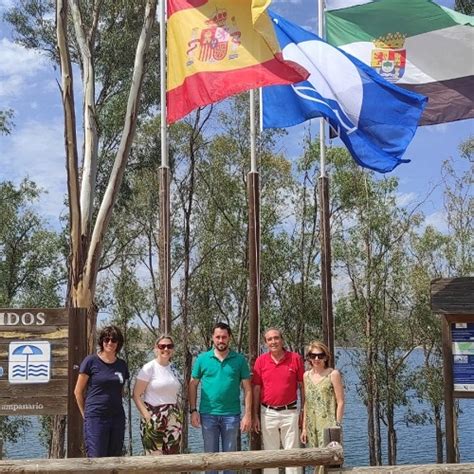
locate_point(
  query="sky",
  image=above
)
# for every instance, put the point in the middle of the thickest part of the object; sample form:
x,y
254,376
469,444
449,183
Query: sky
x,y
29,86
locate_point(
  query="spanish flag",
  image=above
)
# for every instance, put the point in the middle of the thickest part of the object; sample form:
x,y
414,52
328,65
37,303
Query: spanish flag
x,y
214,51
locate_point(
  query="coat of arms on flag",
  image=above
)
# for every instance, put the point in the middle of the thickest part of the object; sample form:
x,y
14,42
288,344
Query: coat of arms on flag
x,y
214,50
215,40
389,57
438,49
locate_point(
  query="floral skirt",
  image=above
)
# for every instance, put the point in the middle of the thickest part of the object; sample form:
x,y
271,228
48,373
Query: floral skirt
x,y
162,433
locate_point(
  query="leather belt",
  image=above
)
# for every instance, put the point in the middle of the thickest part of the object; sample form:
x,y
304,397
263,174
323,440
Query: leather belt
x,y
290,406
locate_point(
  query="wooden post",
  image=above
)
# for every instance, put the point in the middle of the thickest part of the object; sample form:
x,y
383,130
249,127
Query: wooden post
x,y
330,436
77,350
164,250
327,318
450,415
253,191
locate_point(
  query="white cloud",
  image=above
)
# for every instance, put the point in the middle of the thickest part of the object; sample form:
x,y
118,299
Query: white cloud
x,y
404,199
6,4
437,220
36,150
19,67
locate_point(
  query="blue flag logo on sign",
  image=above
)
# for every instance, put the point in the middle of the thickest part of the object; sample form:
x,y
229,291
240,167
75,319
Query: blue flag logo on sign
x,y
376,120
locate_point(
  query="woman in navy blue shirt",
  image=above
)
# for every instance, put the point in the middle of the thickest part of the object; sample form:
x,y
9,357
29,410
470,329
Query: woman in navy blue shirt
x,y
99,391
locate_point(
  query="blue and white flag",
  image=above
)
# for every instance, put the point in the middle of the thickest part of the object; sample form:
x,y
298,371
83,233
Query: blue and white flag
x,y
376,120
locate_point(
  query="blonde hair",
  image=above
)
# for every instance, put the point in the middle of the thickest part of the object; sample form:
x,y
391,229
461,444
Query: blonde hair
x,y
163,336
322,347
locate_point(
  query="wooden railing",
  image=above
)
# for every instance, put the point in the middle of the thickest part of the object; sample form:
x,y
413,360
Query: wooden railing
x,y
180,462
218,461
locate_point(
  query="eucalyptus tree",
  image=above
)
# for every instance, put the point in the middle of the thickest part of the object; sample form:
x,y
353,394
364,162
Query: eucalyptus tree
x,y
437,254
370,247
292,266
429,250
219,282
109,41
218,288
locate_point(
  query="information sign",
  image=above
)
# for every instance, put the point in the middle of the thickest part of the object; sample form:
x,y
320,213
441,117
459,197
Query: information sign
x,y
34,361
463,356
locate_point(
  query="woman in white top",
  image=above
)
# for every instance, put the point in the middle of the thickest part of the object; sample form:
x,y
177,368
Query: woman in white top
x,y
156,394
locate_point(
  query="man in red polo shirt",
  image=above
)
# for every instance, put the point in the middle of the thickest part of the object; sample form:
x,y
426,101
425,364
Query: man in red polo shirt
x,y
277,375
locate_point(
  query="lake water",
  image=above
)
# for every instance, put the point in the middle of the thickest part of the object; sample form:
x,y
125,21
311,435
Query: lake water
x,y
416,443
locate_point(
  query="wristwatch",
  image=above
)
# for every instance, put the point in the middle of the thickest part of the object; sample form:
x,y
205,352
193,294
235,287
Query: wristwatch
x,y
338,424
192,410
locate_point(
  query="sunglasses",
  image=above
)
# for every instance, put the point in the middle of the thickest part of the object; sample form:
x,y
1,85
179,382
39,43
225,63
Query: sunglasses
x,y
165,346
110,339
316,355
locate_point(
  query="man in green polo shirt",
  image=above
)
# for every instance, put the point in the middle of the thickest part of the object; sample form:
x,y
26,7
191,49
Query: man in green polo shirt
x,y
221,371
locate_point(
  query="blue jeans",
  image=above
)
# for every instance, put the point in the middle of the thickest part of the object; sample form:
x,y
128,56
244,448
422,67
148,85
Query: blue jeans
x,y
223,427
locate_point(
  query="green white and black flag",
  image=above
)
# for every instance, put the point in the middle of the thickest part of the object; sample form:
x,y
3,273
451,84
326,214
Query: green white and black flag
x,y
415,44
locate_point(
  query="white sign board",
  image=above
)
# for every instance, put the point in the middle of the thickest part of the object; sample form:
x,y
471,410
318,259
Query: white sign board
x,y
29,362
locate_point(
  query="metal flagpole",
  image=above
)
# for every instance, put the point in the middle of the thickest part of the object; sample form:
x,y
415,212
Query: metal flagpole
x,y
326,280
164,186
253,193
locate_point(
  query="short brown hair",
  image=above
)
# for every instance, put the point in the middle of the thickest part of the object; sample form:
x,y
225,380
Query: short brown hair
x,y
113,332
223,326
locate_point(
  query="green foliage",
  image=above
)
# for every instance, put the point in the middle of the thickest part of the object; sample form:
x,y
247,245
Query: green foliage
x,y
33,21
459,209
464,6
6,123
12,428
437,255
31,265
370,240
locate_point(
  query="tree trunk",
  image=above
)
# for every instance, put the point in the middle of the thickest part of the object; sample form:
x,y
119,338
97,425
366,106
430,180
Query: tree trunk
x,y
391,437
129,419
370,410
188,359
58,437
187,206
86,242
377,418
439,434
129,390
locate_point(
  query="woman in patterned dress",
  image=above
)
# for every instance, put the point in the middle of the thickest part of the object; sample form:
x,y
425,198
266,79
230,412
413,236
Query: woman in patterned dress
x,y
156,395
324,396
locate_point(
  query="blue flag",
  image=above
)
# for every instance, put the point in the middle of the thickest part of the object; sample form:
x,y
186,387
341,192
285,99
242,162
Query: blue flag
x,y
376,120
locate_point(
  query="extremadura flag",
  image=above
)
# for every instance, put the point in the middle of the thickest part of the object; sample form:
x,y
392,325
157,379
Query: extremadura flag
x,y
415,44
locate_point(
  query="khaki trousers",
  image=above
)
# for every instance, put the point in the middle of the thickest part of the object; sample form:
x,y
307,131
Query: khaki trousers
x,y
280,428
